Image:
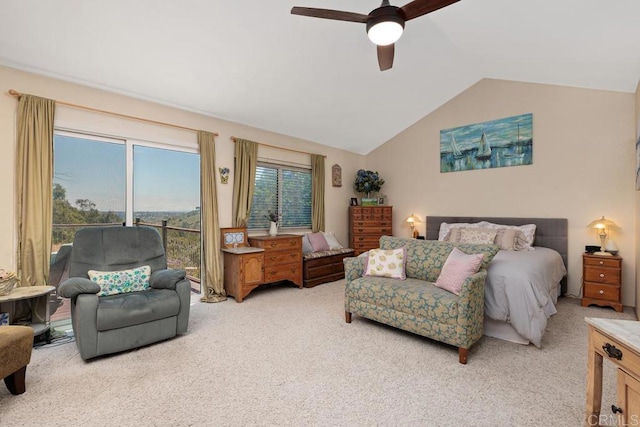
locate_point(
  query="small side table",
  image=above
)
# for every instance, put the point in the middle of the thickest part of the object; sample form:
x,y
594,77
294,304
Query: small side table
x,y
619,342
602,280
36,299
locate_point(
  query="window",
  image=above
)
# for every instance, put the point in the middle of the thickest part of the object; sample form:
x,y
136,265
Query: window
x,y
282,189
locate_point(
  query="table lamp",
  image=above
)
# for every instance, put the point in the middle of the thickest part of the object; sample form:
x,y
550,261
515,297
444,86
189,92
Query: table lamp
x,y
412,220
602,225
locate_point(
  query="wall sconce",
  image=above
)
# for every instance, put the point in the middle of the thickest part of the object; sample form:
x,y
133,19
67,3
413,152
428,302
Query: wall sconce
x,y
602,225
413,220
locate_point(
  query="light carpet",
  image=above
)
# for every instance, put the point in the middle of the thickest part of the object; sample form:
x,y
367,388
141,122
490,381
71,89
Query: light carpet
x,y
285,356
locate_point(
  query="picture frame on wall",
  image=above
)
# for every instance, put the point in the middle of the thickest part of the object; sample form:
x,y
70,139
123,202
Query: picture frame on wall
x,y
354,201
336,175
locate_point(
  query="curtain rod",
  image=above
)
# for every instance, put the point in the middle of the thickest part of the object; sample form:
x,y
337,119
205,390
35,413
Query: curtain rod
x,y
234,139
126,116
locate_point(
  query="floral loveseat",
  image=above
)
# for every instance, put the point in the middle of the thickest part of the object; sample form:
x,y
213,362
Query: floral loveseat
x,y
416,304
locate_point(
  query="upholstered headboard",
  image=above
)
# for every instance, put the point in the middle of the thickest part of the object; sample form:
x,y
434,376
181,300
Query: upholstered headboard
x,y
550,232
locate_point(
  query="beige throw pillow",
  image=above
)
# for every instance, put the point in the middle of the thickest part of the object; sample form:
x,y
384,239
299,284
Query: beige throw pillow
x,y
477,236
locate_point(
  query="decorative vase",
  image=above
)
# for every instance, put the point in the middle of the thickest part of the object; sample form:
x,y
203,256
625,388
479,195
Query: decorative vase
x,y
273,228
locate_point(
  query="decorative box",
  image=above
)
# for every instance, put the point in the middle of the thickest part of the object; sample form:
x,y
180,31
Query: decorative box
x,y
4,319
369,201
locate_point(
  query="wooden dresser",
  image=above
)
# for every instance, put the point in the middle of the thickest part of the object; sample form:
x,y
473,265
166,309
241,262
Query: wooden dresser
x,y
282,257
602,280
619,342
367,224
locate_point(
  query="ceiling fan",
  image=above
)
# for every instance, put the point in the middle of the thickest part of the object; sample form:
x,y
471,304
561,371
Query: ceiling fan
x,y
384,24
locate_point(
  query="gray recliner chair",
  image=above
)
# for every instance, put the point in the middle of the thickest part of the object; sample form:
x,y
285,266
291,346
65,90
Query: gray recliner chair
x,y
114,323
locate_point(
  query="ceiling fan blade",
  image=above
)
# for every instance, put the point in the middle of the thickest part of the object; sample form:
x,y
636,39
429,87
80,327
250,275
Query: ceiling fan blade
x,y
385,56
337,15
422,7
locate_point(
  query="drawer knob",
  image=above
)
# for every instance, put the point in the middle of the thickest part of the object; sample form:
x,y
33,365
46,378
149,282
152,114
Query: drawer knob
x,y
601,262
612,351
601,292
601,274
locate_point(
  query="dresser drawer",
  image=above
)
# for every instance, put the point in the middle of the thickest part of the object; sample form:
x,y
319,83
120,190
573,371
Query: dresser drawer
x,y
602,275
372,230
630,360
291,272
602,262
280,244
282,257
369,239
387,213
601,291
376,224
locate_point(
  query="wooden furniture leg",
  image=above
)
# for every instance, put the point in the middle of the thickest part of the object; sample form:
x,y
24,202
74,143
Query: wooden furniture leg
x,y
594,383
16,381
347,317
462,355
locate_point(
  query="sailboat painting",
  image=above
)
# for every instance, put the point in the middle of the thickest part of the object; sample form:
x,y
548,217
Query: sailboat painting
x,y
494,144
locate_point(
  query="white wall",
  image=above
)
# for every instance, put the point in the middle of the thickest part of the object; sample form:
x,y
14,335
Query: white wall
x,y
583,166
637,199
336,201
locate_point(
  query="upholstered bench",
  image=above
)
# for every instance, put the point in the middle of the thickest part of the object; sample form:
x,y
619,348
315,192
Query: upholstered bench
x,y
324,266
16,343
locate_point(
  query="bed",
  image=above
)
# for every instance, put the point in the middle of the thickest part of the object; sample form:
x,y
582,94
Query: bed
x,y
522,286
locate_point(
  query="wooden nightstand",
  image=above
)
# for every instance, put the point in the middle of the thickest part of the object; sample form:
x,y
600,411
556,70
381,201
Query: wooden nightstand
x,y
602,280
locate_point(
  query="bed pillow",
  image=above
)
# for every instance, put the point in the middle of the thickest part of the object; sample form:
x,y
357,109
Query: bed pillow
x,y
306,245
386,263
456,269
445,228
330,237
528,231
120,282
477,236
318,242
507,239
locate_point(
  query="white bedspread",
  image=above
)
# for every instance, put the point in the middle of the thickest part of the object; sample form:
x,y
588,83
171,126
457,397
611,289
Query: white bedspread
x,y
522,289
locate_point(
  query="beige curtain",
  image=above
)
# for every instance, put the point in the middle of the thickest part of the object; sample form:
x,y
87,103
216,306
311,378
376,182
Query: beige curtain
x,y
246,154
317,192
212,285
34,188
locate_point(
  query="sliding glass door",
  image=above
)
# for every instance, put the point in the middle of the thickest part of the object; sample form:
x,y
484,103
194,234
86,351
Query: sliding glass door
x,y
110,181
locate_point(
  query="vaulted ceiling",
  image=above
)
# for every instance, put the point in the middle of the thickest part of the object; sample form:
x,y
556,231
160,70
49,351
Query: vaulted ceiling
x,y
252,62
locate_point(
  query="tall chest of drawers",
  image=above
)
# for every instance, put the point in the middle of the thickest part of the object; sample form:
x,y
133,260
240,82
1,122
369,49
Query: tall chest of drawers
x,y
367,224
282,257
602,280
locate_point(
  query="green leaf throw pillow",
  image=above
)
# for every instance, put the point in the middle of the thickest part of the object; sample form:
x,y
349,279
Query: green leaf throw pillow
x,y
120,282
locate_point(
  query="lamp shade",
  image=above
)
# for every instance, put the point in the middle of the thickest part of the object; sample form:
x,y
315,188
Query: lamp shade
x,y
602,223
412,219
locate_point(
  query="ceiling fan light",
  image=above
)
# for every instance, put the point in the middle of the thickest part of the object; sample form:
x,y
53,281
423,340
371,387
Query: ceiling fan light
x,y
385,32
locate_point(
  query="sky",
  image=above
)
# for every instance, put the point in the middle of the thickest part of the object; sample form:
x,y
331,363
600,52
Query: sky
x,y
163,180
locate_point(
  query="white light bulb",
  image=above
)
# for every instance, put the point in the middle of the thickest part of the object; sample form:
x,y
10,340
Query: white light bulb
x,y
385,33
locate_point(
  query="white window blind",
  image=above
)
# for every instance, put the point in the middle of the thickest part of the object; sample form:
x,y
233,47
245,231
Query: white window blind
x,y
282,189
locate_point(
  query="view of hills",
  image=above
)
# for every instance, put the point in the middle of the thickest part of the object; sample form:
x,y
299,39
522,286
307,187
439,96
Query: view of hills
x,y
183,247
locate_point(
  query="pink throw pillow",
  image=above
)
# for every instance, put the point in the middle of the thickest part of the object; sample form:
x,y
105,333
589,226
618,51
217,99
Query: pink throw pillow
x,y
456,269
318,242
